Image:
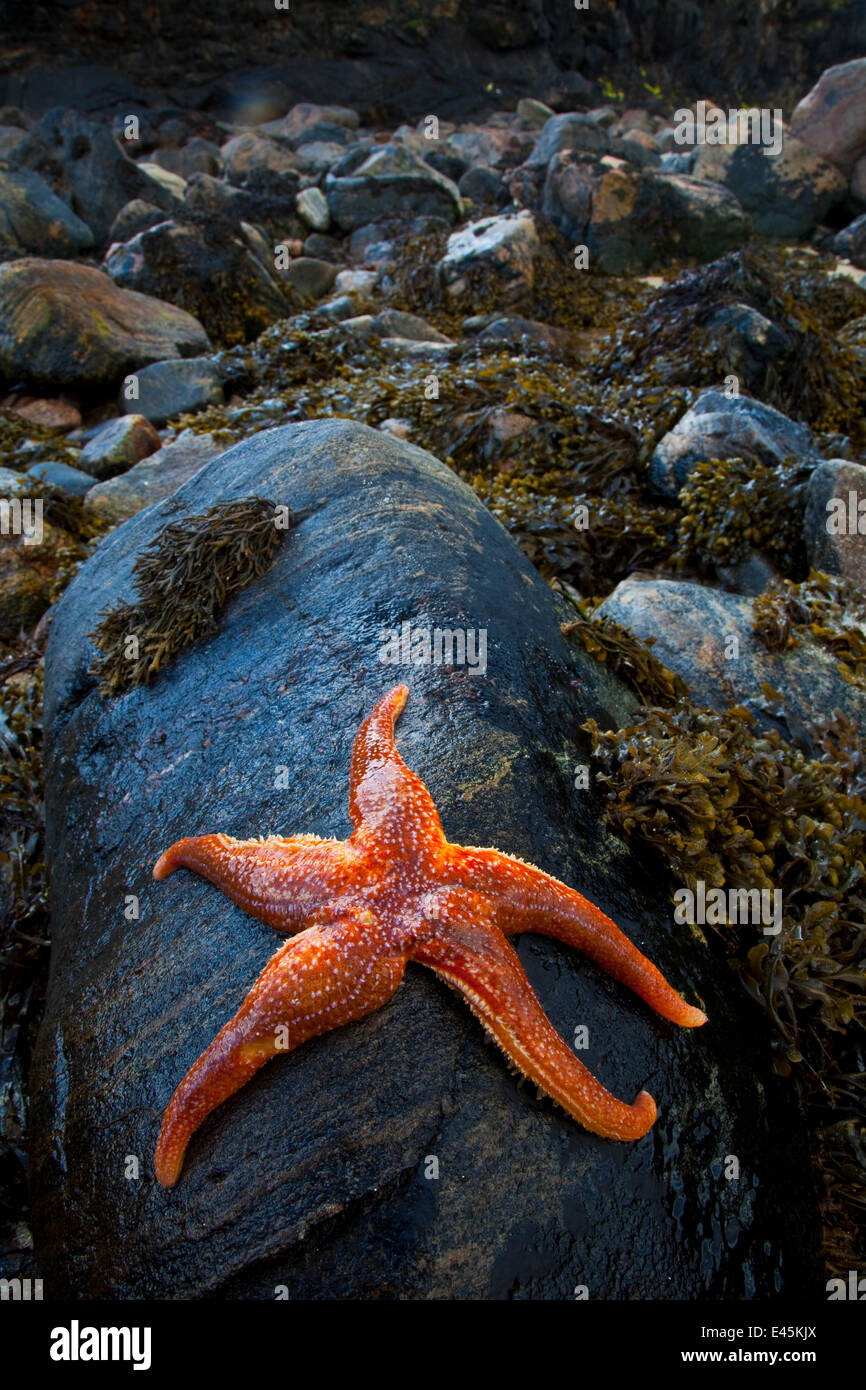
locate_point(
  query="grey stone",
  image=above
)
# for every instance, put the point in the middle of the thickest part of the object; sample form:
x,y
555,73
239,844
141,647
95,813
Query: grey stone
x,y
197,156
249,153
70,481
12,484
317,156
692,627
390,180
174,388
395,323
755,342
835,521
34,220
310,277
572,130
154,478
120,443
535,113
134,217
482,185
313,207
636,220
851,242
96,173
722,427
674,163
305,116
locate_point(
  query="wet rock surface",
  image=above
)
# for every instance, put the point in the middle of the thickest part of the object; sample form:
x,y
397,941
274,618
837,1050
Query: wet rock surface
x,y
295,1180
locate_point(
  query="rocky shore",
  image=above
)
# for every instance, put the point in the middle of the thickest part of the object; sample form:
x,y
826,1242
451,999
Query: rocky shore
x,y
643,350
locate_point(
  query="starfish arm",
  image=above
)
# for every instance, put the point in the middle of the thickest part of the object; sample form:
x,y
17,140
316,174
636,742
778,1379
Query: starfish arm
x,y
393,813
329,975
474,958
277,880
533,901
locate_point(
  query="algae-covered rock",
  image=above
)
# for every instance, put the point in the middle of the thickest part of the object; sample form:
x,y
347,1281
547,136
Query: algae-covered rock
x,y
206,271
786,191
250,731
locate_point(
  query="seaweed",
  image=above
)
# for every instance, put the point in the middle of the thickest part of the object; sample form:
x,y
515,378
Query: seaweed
x,y
183,579
24,929
831,609
730,506
674,341
631,659
721,802
23,443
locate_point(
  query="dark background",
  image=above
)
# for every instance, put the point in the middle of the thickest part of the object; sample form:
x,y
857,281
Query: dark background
x,y
401,58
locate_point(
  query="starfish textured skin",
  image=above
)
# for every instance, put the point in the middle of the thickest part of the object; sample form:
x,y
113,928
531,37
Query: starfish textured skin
x,y
396,891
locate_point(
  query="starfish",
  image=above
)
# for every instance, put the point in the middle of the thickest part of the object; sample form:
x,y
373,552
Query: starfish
x,y
397,891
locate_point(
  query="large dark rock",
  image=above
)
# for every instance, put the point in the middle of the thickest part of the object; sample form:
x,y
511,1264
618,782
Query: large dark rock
x,y
33,219
313,1176
786,194
97,176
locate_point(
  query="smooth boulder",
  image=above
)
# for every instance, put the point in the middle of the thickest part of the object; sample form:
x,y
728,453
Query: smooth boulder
x,y
33,220
707,636
70,325
314,1177
719,426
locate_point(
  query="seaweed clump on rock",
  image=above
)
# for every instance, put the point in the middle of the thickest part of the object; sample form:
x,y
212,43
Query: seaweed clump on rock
x,y
24,928
631,659
731,506
831,610
183,579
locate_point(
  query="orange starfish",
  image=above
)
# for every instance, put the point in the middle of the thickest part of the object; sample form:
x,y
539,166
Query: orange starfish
x,y
396,891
